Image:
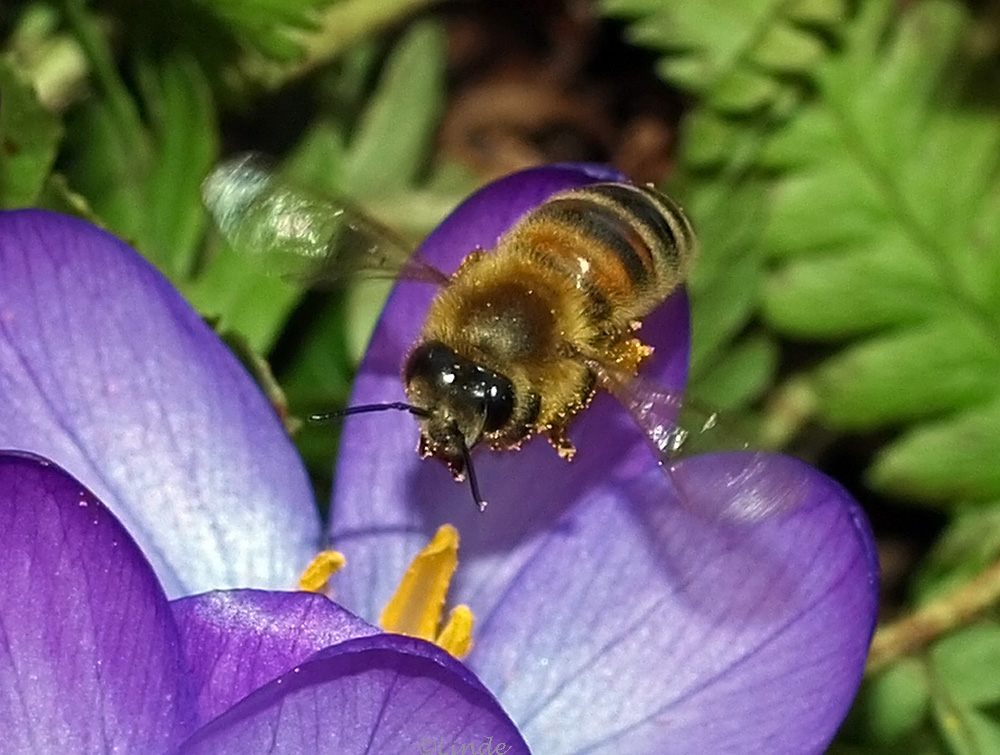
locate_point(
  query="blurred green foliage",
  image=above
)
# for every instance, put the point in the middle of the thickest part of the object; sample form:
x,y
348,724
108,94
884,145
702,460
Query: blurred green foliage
x,y
30,136
945,701
841,161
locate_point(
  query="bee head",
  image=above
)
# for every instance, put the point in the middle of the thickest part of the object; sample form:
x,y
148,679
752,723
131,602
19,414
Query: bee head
x,y
460,401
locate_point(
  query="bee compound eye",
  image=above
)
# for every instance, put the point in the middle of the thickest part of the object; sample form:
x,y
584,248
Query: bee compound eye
x,y
498,399
431,362
469,389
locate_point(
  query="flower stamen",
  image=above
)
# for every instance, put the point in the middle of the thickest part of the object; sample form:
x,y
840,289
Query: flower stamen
x,y
456,636
416,607
323,566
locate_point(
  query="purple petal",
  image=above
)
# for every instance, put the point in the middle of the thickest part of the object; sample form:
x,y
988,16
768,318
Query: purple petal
x,y
105,370
89,653
637,626
378,695
388,502
238,640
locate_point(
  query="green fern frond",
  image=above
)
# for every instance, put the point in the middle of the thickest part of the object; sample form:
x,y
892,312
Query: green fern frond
x,y
740,58
737,56
886,227
748,63
729,369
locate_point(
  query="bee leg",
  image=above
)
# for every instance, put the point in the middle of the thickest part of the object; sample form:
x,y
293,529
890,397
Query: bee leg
x,y
563,446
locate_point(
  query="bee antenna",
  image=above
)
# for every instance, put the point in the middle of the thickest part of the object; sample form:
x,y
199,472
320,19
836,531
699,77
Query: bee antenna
x,y
473,482
366,408
402,406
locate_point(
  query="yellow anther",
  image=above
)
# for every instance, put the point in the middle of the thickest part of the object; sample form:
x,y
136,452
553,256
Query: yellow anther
x,y
456,637
416,607
320,569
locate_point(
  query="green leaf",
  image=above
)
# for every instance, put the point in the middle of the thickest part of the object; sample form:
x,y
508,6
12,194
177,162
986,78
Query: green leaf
x,y
377,166
910,373
817,298
967,662
29,138
139,163
182,119
723,282
742,374
397,128
272,28
969,544
107,159
243,298
896,701
320,376
886,232
713,45
953,459
975,733
727,370
317,161
964,729
743,59
141,174
985,731
748,62
365,301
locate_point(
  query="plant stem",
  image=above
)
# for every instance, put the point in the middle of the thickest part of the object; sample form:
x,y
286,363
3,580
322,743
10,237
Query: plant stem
x,y
913,633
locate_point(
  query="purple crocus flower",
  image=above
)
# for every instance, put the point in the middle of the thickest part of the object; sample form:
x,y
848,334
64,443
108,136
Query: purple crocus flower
x,y
610,618
94,658
107,371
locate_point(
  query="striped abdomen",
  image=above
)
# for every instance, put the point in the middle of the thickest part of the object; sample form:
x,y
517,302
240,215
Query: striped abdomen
x,y
627,247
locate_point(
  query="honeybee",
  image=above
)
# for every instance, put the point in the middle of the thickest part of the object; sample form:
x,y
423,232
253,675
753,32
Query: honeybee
x,y
520,338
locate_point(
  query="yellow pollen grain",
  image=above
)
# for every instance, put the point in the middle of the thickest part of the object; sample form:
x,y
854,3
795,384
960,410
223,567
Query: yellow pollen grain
x,y
320,569
415,608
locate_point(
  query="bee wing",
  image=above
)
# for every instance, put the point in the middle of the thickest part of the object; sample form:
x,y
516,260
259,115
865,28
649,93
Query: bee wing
x,y
742,488
654,409
301,235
